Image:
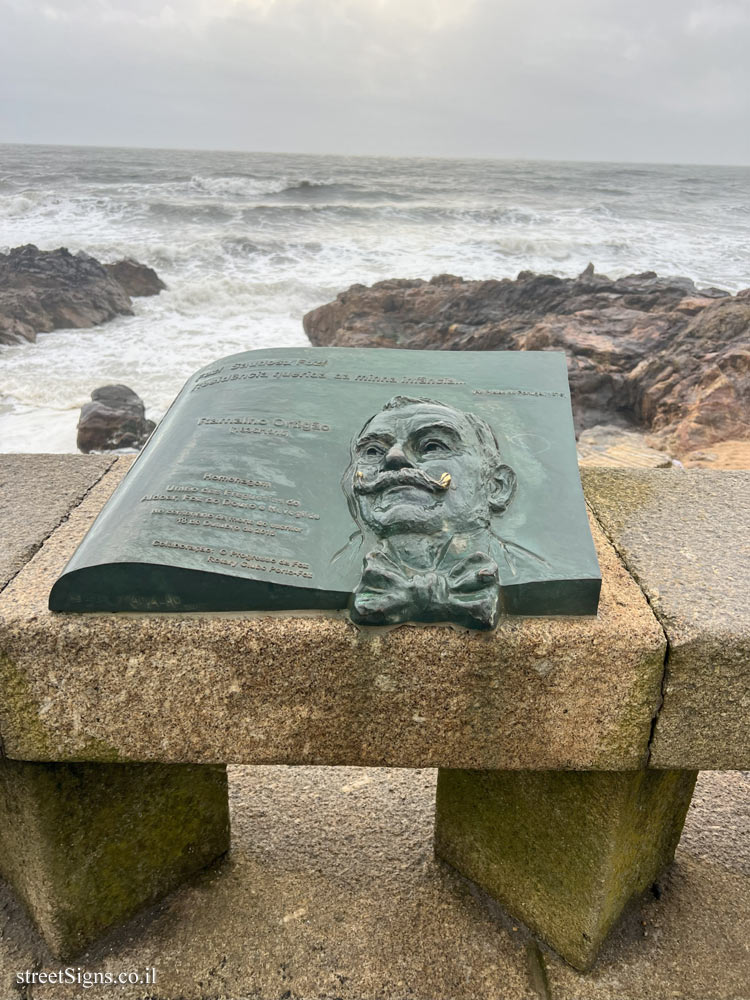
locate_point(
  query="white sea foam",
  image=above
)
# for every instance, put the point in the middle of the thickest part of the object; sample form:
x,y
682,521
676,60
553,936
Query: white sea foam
x,y
248,243
249,188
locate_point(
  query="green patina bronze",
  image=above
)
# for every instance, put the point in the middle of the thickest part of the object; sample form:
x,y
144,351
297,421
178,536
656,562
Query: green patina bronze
x,y
407,486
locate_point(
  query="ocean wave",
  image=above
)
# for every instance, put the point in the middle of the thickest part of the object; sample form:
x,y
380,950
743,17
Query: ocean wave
x,y
238,186
18,206
305,185
66,209
313,190
243,246
290,214
251,188
247,243
192,211
420,213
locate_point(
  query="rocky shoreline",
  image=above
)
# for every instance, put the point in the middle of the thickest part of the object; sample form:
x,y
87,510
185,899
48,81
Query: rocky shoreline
x,y
45,290
659,369
645,353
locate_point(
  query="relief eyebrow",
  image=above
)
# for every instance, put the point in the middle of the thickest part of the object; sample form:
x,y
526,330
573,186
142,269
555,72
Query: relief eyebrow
x,y
375,439
438,425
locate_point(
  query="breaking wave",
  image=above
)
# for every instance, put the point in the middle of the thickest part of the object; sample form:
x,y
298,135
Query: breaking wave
x,y
247,243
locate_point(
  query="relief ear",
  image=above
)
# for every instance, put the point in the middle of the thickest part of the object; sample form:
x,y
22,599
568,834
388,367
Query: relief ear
x,y
502,488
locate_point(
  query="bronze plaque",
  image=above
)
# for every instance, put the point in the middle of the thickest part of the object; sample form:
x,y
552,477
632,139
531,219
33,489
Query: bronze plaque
x,y
425,486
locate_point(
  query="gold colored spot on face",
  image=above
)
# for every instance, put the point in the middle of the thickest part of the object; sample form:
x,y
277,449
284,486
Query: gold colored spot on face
x,y
360,475
445,480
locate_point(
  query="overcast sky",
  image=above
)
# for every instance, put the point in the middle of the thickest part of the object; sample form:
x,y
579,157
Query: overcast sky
x,y
656,80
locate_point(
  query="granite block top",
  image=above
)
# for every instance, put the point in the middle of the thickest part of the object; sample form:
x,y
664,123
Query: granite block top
x,y
685,538
36,493
536,693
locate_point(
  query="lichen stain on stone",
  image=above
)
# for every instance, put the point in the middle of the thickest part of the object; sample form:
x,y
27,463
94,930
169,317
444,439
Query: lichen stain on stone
x,y
100,752
131,832
644,702
605,485
563,851
21,728
23,733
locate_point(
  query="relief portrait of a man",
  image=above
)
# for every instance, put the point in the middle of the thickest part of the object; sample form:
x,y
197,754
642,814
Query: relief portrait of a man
x,y
425,482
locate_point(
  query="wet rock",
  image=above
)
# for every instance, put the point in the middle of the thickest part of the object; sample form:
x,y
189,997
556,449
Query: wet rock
x,y
651,352
137,279
114,419
721,455
619,447
43,290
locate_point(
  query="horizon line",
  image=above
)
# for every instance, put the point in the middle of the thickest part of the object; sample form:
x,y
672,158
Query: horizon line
x,y
375,156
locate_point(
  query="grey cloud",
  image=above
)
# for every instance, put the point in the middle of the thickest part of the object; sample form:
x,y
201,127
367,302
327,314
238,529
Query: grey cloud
x,y
578,79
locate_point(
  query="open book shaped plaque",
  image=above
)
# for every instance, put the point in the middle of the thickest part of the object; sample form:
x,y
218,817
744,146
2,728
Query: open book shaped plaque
x,y
425,486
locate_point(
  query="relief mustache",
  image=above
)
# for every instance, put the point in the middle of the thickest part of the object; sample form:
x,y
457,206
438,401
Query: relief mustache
x,y
401,477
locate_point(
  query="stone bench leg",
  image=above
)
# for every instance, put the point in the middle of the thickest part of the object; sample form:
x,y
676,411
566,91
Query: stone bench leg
x,y
87,845
564,851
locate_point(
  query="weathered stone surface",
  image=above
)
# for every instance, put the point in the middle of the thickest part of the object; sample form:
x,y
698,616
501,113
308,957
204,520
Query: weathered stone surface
x,y
606,446
331,890
563,851
688,938
36,493
536,693
685,536
652,351
115,418
87,845
721,455
43,290
137,279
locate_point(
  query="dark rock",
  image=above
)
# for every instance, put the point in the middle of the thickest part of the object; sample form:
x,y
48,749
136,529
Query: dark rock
x,y
137,279
115,418
43,290
642,350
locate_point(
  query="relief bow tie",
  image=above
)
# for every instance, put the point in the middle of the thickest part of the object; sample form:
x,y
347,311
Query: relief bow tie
x,y
389,593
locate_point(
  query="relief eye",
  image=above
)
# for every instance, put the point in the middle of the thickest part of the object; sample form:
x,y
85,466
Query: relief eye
x,y
433,446
373,451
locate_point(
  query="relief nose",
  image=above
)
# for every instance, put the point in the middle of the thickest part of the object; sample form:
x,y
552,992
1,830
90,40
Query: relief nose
x,y
395,458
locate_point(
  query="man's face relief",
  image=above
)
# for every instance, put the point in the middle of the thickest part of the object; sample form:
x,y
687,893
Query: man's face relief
x,y
421,468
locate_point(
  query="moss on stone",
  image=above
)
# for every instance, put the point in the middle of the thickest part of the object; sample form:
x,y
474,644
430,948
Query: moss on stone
x,y
564,851
87,845
598,484
20,721
22,732
100,752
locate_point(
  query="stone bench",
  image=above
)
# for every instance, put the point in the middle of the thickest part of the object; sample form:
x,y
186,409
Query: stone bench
x,y
567,750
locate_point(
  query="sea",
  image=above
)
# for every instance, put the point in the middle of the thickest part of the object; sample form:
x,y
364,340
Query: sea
x,y
249,242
